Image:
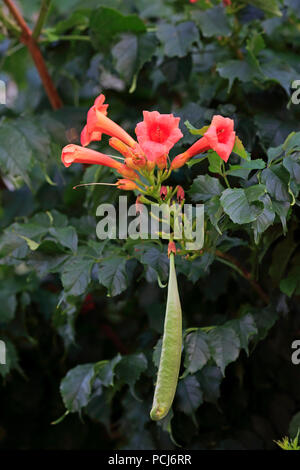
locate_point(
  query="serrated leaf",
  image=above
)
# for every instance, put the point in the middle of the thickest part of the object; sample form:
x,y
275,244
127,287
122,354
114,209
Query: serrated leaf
x,y
189,395
245,328
245,167
66,236
214,210
130,368
204,187
196,350
213,22
76,275
112,275
8,304
15,153
275,181
177,39
106,23
106,372
210,378
224,346
292,164
157,264
269,6
232,69
131,53
237,206
265,219
76,387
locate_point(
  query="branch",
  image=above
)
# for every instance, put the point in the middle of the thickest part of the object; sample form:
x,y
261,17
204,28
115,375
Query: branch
x,y
245,274
27,39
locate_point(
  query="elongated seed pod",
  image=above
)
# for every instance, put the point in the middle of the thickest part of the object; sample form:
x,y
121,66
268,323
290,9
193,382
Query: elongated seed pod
x,y
169,364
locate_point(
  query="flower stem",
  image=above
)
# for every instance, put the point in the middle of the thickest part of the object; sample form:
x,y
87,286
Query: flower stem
x,y
41,19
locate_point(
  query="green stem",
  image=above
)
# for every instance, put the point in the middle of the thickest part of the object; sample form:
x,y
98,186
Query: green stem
x,y
71,37
224,175
41,19
9,25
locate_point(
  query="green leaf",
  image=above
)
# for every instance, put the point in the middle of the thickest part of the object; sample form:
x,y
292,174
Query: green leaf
x,y
292,165
214,210
195,131
271,7
99,408
240,150
130,368
265,319
106,372
274,153
232,69
292,142
210,378
236,204
291,283
112,275
106,23
245,167
255,192
280,73
131,53
245,328
66,236
76,387
275,180
196,350
204,187
224,346
215,163
281,255
15,154
265,219
157,264
189,395
8,304
76,275
177,39
213,22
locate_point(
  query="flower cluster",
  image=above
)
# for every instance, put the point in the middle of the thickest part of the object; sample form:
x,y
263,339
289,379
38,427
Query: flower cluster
x,y
147,158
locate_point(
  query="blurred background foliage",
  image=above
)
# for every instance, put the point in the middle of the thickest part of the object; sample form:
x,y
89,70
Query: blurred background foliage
x,y
70,302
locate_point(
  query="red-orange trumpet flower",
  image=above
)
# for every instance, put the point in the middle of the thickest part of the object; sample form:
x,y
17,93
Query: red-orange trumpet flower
x,y
219,137
76,154
98,123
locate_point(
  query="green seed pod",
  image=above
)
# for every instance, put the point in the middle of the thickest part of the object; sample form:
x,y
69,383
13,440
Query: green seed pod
x,y
169,364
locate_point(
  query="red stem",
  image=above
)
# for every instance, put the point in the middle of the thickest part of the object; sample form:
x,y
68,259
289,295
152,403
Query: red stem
x,y
27,39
